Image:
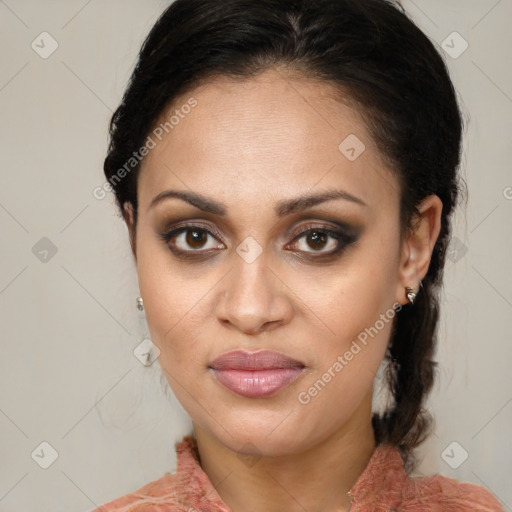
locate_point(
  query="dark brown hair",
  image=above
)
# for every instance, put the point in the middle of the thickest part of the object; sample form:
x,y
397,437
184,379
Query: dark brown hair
x,y
371,51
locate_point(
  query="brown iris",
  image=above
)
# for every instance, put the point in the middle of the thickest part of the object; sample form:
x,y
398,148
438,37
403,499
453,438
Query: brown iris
x,y
318,239
196,237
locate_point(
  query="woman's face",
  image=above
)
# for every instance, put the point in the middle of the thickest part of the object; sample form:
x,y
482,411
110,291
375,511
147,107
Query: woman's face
x,y
248,276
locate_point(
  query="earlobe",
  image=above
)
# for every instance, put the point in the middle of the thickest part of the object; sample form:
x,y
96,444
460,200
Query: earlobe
x,y
419,244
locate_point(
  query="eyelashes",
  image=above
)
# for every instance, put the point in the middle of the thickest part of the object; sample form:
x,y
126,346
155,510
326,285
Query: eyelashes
x,y
195,236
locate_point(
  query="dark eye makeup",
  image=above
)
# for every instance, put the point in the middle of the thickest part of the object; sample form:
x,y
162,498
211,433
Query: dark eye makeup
x,y
314,236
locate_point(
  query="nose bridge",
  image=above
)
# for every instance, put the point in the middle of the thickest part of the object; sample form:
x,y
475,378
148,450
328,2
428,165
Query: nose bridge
x,y
250,272
250,298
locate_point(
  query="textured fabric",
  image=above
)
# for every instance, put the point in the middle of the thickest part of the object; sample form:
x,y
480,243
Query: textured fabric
x,y
382,487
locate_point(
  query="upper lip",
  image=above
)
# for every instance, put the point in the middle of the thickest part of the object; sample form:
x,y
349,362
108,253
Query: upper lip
x,y
263,359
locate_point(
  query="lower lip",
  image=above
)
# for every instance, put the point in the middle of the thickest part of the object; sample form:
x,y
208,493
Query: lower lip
x,y
257,383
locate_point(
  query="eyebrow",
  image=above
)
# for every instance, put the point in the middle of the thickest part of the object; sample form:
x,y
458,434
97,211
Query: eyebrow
x,y
282,208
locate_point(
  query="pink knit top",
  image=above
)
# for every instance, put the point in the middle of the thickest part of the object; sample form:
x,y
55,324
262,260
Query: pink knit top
x,y
382,487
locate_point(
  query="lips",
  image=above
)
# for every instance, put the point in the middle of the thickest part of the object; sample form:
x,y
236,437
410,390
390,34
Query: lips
x,y
263,359
255,374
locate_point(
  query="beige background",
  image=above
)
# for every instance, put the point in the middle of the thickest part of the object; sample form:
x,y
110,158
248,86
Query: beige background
x,y
69,324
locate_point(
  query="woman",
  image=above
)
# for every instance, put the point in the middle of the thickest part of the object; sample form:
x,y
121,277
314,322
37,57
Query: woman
x,y
287,171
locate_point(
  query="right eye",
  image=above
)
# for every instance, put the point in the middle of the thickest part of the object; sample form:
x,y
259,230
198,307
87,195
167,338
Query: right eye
x,y
189,239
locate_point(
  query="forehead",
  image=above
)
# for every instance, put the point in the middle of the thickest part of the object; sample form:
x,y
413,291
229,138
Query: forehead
x,y
268,136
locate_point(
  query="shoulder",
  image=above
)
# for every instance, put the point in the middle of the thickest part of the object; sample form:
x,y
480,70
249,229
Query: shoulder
x,y
439,493
188,488
170,491
155,496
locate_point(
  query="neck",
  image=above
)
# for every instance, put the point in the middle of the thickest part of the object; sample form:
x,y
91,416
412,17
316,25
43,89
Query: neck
x,y
318,478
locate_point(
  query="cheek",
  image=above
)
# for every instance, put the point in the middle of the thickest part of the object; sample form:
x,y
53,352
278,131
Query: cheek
x,y
172,301
176,323
346,370
350,299
356,309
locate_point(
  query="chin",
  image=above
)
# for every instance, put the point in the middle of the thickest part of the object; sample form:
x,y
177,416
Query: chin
x,y
264,434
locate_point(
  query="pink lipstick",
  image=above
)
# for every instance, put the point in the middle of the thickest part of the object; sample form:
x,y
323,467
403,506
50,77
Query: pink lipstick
x,y
255,374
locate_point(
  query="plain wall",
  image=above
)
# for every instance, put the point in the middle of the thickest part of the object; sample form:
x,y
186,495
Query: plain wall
x,y
68,375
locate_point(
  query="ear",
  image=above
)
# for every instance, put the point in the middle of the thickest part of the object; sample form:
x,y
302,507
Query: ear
x,y
418,245
129,218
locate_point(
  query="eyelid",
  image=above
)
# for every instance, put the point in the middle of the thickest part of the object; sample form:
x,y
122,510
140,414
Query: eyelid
x,y
346,229
338,227
189,225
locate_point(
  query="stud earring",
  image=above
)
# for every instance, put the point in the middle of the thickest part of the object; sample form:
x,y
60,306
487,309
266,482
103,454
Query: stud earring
x,y
411,294
140,304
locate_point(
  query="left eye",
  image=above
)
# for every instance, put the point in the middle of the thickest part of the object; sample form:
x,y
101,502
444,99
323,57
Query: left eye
x,y
318,239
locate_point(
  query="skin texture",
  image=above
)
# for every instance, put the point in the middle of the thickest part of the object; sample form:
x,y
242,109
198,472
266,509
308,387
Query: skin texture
x,y
249,145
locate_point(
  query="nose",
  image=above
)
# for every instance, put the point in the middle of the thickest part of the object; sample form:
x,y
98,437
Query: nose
x,y
253,297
